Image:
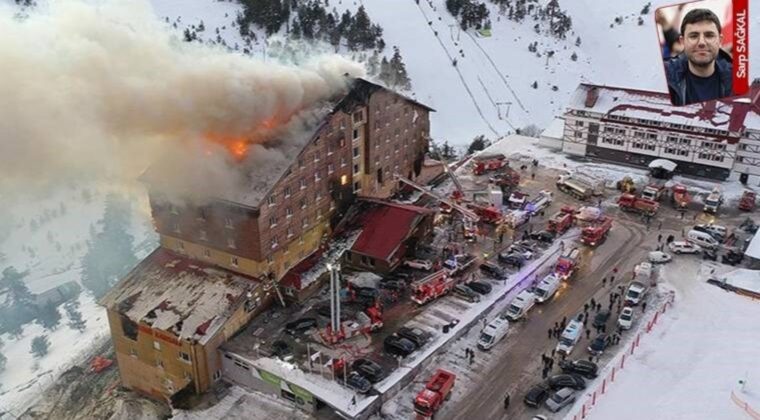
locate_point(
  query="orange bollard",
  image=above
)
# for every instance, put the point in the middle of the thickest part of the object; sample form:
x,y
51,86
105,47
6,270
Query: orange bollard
x,y
604,386
612,379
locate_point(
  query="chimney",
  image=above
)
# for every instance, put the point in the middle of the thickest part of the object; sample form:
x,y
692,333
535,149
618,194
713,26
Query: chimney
x,y
591,96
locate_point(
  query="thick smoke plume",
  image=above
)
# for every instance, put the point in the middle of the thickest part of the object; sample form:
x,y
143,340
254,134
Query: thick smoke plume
x,y
103,89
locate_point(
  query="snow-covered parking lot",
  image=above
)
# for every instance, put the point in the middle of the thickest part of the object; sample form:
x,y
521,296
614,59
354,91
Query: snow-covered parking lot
x,y
693,359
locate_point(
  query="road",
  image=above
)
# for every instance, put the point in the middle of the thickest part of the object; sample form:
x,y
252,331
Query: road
x,y
518,364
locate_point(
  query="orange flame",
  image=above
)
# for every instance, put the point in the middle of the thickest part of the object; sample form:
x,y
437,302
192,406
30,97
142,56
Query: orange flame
x,y
237,145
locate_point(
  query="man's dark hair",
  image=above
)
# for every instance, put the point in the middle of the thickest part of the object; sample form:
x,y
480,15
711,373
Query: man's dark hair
x,y
699,15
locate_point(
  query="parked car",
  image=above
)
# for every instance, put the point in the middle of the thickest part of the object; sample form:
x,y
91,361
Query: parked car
x,y
281,349
523,250
659,257
393,285
480,287
598,345
398,346
625,320
580,367
601,318
493,270
719,233
512,259
560,399
542,236
466,293
536,395
415,335
300,325
710,254
683,247
565,380
732,257
419,264
369,369
358,383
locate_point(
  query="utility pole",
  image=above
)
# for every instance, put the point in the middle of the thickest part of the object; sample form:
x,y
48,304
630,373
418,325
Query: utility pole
x,y
498,109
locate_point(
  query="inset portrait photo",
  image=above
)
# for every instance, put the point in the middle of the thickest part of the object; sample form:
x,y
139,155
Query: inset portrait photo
x,y
696,41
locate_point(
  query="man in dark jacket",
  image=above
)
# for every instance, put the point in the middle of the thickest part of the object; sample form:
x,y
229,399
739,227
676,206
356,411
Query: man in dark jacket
x,y
704,71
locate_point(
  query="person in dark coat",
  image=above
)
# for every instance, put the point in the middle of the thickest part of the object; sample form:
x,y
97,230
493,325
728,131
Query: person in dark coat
x,y
551,333
506,401
703,71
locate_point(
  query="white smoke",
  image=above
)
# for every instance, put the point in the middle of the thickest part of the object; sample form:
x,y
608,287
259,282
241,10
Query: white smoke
x,y
101,89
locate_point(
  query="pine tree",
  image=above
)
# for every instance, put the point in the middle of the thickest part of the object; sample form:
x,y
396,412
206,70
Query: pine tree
x,y
400,77
48,316
75,317
478,143
385,72
40,346
360,33
578,42
574,57
13,281
373,64
110,254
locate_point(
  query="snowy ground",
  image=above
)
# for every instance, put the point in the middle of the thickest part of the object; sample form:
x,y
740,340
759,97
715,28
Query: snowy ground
x,y
694,357
50,266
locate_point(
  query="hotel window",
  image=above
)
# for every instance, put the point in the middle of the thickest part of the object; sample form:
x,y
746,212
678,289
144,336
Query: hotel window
x,y
207,253
234,261
202,234
316,156
357,187
184,357
343,161
579,123
287,192
270,259
342,124
316,176
356,134
319,214
683,152
288,212
356,152
356,168
228,223
300,163
305,222
342,142
302,183
180,245
273,242
330,148
156,345
271,200
272,221
330,168
317,195
290,232
358,117
302,203
316,140
231,243
173,209
670,150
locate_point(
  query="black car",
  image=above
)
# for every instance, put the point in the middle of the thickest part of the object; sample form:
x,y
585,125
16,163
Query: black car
x,y
393,285
709,254
536,395
369,369
512,259
358,383
601,318
542,236
566,380
580,367
398,346
281,349
492,270
732,258
599,344
415,335
300,325
480,287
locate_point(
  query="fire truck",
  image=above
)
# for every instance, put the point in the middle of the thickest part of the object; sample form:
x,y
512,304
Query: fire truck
x,y
432,287
596,234
487,214
681,198
437,390
629,202
713,201
517,200
508,179
567,263
747,202
488,163
561,221
653,192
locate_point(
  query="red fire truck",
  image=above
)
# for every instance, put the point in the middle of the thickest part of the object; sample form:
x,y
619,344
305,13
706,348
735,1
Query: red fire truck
x,y
595,234
487,163
561,221
747,202
567,263
629,202
437,390
681,197
653,192
432,287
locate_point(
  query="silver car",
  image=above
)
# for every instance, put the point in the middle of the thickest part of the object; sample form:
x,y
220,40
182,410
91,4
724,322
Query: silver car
x,y
559,399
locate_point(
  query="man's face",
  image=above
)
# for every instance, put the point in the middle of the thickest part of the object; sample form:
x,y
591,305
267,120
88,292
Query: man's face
x,y
701,42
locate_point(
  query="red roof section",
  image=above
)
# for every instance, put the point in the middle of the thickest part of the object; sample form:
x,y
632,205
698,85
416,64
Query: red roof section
x,y
384,226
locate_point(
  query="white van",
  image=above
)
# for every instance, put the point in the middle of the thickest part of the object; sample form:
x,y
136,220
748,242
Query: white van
x,y
546,288
570,337
493,333
643,272
520,305
702,239
516,218
635,293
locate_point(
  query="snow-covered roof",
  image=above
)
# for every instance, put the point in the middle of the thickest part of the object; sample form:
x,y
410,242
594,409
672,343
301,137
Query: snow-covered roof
x,y
668,165
729,114
743,279
753,250
178,295
555,129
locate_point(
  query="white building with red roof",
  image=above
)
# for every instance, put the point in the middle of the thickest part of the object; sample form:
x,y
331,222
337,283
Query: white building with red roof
x,y
713,139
